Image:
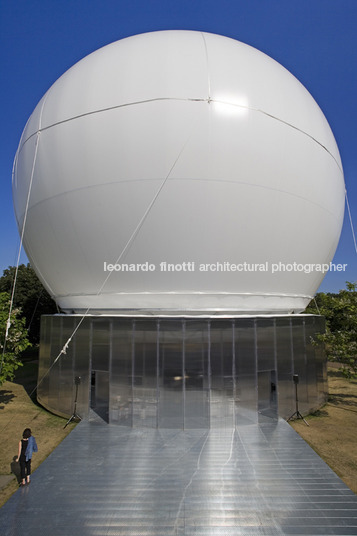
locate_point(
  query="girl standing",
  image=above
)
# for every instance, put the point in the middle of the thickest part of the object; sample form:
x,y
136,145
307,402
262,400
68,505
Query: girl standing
x,y
27,446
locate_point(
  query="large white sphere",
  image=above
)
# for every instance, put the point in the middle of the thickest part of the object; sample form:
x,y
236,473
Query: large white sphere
x,y
178,147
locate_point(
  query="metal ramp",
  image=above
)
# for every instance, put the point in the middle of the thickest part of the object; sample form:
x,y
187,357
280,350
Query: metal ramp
x,y
108,480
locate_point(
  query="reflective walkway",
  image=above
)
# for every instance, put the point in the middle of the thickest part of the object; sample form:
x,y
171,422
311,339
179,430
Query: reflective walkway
x,y
110,480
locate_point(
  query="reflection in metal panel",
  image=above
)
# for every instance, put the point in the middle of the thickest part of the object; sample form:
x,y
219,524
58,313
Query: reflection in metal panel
x,y
285,359
222,379
197,375
183,373
144,381
57,372
246,371
121,374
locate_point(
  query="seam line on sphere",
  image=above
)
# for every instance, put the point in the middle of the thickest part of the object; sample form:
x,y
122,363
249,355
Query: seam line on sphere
x,y
238,183
117,106
158,99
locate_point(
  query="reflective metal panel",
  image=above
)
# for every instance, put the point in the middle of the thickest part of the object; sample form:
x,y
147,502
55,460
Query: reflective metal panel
x,y
145,376
81,365
182,373
66,367
56,389
245,372
222,377
197,374
54,398
267,367
300,361
284,354
43,385
171,373
266,343
121,378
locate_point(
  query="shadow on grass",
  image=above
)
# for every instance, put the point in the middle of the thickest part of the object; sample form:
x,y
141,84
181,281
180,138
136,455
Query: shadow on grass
x,y
338,373
5,398
319,413
27,377
344,399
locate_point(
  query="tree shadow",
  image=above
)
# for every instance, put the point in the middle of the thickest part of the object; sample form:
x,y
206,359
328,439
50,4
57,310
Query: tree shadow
x,y
344,399
338,373
335,373
27,377
5,397
320,413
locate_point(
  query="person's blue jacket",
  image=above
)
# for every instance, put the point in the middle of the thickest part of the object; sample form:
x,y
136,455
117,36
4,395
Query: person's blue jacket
x,y
31,447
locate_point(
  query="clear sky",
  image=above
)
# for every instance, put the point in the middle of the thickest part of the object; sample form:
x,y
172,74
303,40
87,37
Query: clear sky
x,y
316,40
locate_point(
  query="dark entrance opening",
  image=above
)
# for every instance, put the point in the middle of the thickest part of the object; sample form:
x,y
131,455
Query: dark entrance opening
x,y
267,394
100,394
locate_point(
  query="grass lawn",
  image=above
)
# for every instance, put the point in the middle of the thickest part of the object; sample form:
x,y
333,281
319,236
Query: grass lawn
x,y
333,429
19,410
332,432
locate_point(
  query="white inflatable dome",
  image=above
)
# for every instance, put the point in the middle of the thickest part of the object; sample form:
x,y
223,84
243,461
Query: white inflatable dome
x,y
183,172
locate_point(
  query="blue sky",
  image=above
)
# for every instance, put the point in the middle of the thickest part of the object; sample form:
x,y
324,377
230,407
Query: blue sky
x,y
315,39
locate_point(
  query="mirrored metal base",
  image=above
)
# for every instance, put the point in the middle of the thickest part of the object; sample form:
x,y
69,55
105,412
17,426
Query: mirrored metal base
x,y
183,373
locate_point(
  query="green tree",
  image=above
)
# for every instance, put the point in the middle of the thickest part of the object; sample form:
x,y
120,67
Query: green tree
x,y
340,311
16,341
30,295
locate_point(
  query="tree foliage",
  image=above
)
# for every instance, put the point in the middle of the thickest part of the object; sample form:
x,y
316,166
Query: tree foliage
x,y
16,342
30,296
340,311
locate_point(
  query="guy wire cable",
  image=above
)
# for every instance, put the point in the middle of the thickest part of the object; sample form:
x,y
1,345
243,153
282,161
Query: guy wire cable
x,y
124,250
351,222
8,323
